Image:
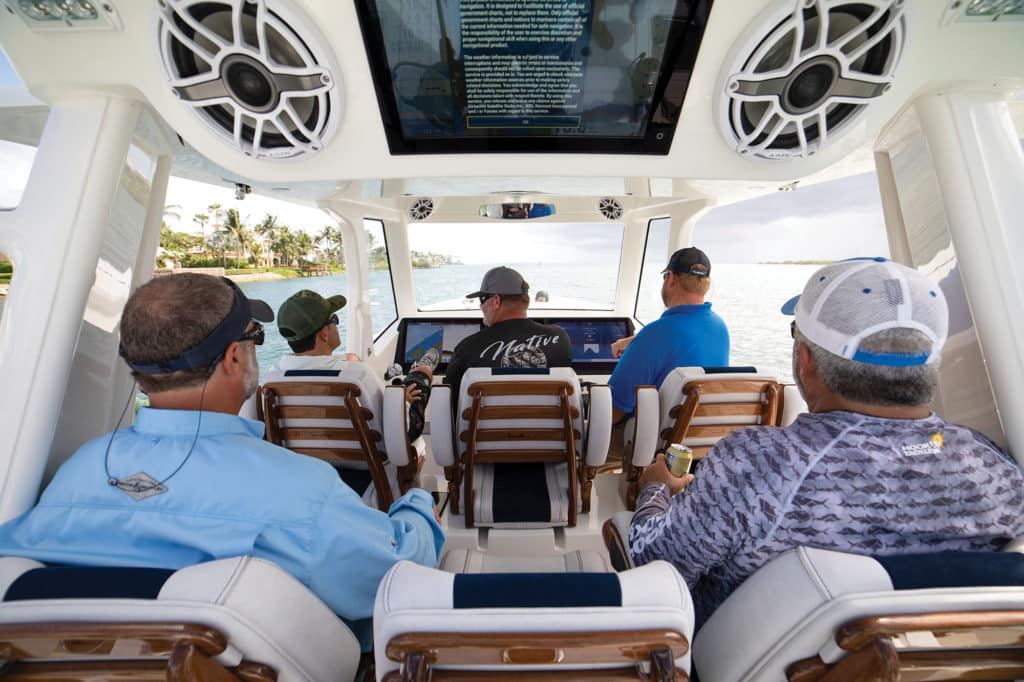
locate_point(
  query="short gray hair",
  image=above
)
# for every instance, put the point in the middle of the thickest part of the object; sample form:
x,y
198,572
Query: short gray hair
x,y
168,315
879,384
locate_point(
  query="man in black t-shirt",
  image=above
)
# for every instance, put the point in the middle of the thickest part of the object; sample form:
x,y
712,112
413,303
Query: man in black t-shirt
x,y
510,340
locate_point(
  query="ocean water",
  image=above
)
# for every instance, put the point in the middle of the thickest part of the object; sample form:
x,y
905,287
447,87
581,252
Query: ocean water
x,y
747,296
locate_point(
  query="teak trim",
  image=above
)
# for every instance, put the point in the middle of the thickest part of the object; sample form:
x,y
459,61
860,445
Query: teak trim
x,y
419,652
874,656
359,416
162,651
767,410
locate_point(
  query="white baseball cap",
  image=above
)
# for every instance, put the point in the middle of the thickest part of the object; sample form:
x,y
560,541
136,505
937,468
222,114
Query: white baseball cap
x,y
846,302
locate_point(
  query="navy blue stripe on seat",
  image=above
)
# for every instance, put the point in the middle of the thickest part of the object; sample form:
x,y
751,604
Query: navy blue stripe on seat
x,y
88,582
536,590
746,369
521,493
313,373
499,371
954,569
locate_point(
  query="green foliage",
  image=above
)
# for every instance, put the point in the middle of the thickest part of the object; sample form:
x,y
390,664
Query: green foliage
x,y
198,261
177,242
6,267
431,260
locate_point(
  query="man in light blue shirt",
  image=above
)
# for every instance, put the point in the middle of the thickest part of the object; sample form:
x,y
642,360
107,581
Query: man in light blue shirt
x,y
688,334
191,481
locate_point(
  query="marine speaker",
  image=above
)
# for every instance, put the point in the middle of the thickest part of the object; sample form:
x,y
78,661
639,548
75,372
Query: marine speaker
x,y
421,209
610,208
253,71
805,71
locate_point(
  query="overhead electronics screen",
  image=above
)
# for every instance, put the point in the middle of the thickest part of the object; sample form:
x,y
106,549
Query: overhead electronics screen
x,y
457,76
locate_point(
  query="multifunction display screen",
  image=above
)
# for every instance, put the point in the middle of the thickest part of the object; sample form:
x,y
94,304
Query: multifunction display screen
x,y
531,75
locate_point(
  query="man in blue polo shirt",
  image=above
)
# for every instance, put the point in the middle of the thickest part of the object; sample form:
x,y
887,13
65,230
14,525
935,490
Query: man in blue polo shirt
x,y
687,334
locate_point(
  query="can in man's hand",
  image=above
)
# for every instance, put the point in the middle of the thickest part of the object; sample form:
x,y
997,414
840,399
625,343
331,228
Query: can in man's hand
x,y
678,458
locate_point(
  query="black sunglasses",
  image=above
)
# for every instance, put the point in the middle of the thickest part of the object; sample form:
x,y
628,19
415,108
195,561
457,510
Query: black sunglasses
x,y
792,329
333,319
256,334
484,297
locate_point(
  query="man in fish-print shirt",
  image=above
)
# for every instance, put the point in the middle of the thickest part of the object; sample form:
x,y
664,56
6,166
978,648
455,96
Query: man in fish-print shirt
x,y
510,339
871,470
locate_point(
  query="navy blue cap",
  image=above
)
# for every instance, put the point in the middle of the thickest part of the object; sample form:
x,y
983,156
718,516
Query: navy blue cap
x,y
689,261
243,310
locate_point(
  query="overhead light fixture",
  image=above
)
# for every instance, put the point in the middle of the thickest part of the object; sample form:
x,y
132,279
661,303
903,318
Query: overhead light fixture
x,y
984,10
994,9
64,15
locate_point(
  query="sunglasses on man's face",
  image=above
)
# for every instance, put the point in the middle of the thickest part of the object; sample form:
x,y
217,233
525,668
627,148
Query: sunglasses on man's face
x,y
483,298
792,329
256,334
333,319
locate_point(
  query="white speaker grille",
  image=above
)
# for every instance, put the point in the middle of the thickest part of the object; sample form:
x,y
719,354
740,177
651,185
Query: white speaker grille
x,y
421,209
610,208
807,70
250,71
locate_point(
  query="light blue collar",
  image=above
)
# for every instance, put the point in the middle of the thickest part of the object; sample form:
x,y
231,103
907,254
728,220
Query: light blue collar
x,y
184,422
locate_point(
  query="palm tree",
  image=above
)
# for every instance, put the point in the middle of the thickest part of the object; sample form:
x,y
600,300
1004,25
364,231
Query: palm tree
x,y
304,243
234,226
285,244
172,211
332,236
216,215
201,219
268,228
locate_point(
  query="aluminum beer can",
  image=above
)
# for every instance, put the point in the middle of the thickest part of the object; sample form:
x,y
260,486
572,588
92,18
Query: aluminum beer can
x,y
678,458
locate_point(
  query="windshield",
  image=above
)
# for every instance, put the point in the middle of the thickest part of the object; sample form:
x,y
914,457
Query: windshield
x,y
571,267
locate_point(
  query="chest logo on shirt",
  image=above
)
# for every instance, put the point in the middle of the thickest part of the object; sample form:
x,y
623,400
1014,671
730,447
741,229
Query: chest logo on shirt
x,y
520,353
932,447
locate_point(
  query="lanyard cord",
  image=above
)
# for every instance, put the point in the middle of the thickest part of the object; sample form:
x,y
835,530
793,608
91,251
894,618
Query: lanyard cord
x,y
119,483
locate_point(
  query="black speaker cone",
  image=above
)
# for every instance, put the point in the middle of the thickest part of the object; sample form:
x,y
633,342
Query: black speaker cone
x,y
810,86
249,85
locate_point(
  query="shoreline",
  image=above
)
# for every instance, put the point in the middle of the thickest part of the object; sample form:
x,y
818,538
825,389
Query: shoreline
x,y
257,277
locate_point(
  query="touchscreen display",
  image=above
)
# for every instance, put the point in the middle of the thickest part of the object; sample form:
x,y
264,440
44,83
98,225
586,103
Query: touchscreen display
x,y
422,335
592,339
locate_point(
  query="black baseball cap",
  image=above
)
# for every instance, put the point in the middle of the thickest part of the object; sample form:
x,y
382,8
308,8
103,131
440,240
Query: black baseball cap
x,y
690,261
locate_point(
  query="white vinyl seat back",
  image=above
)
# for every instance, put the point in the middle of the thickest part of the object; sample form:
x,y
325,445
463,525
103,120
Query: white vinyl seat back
x,y
477,374
387,432
371,397
589,445
266,615
439,606
672,394
793,404
791,609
